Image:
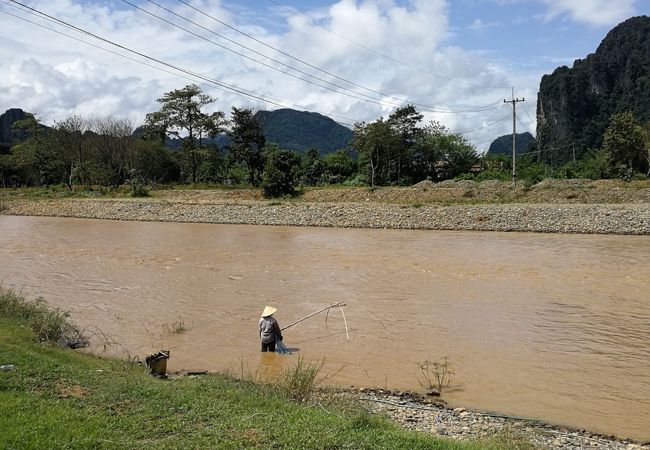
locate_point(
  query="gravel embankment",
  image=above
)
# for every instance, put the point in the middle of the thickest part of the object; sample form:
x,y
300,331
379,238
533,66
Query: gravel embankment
x,y
545,218
415,412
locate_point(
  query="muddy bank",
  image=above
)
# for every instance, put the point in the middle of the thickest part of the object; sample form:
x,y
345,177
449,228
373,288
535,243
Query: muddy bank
x,y
188,206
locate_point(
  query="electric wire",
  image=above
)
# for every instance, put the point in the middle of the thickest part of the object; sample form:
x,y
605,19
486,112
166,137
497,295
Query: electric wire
x,y
351,93
220,84
194,80
214,82
473,130
538,151
302,61
372,50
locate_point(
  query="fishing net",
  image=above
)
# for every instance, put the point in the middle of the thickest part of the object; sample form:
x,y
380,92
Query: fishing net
x,y
280,347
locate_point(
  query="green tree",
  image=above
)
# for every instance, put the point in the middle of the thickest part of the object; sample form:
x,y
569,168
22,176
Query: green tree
x,y
153,162
69,144
339,165
404,122
624,142
439,154
646,153
247,143
427,152
374,142
181,116
280,172
313,167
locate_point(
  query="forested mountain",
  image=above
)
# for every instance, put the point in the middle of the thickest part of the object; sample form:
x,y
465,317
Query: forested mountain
x,y
575,104
300,130
7,120
503,145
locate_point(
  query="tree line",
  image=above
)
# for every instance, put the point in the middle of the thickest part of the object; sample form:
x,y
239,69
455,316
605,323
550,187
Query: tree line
x,y
181,143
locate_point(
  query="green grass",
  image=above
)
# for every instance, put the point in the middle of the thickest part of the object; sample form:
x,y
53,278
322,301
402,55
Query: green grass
x,y
61,191
57,398
48,324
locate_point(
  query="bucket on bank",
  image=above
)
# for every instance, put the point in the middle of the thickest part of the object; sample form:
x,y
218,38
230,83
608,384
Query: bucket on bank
x,y
157,363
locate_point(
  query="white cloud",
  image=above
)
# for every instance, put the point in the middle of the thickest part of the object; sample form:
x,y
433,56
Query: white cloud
x,y
593,12
54,76
480,25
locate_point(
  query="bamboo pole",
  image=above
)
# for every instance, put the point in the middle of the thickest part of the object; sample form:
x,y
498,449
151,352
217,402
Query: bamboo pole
x,y
334,305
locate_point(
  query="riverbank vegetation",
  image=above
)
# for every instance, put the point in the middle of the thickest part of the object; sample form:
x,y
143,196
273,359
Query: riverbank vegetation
x,y
56,398
181,143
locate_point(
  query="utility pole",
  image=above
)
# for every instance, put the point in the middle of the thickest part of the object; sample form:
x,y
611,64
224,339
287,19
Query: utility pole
x,y
514,102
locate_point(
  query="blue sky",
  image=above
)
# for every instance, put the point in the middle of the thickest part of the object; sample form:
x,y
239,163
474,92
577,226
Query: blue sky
x,y
361,58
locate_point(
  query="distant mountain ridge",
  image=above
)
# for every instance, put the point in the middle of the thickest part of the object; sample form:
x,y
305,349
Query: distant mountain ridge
x,y
291,130
575,104
7,120
301,130
503,144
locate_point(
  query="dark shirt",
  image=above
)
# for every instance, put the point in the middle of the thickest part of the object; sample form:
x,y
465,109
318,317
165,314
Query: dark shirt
x,y
269,329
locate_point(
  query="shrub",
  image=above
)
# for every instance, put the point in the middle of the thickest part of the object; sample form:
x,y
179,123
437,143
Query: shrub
x,y
435,374
509,438
138,187
50,325
177,327
300,381
280,173
358,180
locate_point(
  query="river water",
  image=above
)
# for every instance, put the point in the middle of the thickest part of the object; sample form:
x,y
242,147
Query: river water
x,y
555,327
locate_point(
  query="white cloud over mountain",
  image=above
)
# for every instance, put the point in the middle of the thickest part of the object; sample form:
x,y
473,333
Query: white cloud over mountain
x,y
594,12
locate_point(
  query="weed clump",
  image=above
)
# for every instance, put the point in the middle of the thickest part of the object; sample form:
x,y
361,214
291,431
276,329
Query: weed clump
x,y
299,383
177,327
435,375
509,438
50,325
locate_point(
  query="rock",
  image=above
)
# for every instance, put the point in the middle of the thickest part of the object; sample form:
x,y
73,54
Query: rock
x,y
433,393
7,367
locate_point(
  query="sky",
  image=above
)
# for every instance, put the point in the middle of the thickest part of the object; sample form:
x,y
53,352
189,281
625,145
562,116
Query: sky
x,y
352,60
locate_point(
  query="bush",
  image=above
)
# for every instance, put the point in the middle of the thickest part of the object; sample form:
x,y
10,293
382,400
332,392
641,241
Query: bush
x,y
280,173
300,381
50,325
435,374
509,438
138,187
359,180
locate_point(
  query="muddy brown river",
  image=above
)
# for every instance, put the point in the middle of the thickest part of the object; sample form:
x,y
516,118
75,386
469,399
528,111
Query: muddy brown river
x,y
555,327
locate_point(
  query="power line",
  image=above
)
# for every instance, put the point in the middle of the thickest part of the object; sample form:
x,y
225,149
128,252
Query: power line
x,y
482,127
355,95
352,94
370,49
527,110
217,83
539,150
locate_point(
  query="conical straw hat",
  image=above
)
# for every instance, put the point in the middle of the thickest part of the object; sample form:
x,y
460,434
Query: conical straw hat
x,y
268,311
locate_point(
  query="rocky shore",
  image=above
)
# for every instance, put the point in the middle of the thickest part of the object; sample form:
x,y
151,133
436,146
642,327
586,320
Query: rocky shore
x,y
430,415
183,206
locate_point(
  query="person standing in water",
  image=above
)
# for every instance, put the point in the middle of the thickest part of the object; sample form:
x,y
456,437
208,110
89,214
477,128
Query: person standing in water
x,y
269,329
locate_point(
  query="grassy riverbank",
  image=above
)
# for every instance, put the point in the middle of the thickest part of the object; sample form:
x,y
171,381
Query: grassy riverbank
x,y
56,398
447,193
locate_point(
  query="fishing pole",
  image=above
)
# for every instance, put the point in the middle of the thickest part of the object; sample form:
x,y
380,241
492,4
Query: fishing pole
x,y
339,304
